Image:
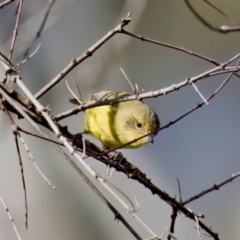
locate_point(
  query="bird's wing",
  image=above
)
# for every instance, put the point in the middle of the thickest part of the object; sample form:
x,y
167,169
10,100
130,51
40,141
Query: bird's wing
x,y
101,96
105,95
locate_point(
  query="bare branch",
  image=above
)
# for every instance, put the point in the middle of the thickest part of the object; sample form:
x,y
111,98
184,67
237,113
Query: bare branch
x,y
10,217
13,126
85,55
15,31
181,49
38,34
213,188
173,220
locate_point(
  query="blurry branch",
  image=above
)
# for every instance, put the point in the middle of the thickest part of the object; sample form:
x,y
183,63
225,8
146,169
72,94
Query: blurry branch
x,y
27,58
32,159
86,54
3,4
221,12
200,94
38,34
15,31
10,217
223,28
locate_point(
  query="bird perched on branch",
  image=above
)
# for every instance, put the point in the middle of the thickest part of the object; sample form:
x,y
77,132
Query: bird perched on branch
x,y
119,123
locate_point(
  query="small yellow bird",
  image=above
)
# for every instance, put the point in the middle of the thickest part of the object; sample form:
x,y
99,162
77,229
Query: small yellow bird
x,y
117,124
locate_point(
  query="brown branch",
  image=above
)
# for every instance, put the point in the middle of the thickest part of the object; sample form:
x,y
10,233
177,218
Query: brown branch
x,y
221,12
173,219
15,31
213,188
181,49
14,131
10,217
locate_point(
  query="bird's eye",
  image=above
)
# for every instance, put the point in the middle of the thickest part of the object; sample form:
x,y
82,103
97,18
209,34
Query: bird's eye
x,y
139,125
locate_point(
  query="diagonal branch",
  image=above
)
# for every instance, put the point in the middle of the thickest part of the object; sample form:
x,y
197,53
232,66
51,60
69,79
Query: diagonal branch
x,y
86,54
15,31
213,188
38,34
10,217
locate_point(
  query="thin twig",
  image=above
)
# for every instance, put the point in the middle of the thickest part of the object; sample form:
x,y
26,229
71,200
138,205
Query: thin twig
x,y
10,217
38,34
23,180
15,31
199,93
8,116
37,136
223,13
34,163
197,227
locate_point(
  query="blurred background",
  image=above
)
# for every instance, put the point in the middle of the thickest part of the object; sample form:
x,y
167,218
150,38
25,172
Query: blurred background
x,y
200,150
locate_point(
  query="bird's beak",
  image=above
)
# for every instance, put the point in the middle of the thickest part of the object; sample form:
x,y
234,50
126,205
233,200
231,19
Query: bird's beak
x,y
150,139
